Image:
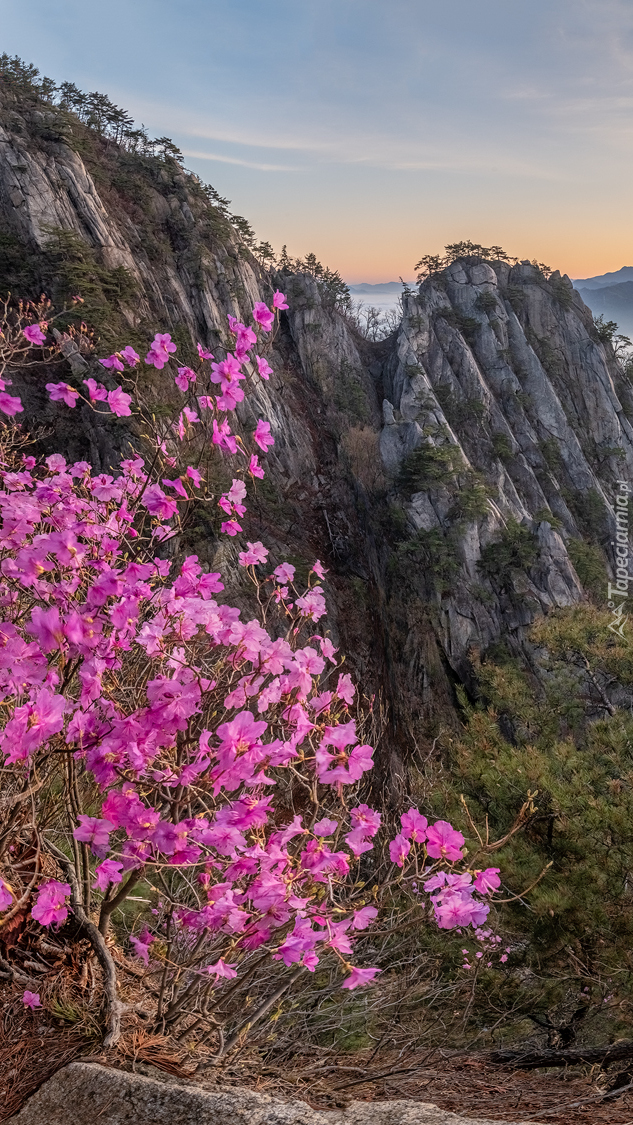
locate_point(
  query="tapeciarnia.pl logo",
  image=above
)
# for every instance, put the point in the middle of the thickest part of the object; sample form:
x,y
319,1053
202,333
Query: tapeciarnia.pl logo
x,y
618,592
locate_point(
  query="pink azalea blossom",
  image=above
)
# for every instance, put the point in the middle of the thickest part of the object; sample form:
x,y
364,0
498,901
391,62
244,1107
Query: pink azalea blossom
x,y
141,945
94,832
399,849
256,553
61,392
10,405
285,572
97,391
255,468
263,316
112,361
107,872
230,527
221,969
6,898
414,825
325,827
364,917
184,377
312,604
31,999
50,906
488,880
194,476
263,436
119,402
443,842
319,569
279,300
360,977
345,689
203,353
158,504
160,349
34,333
130,356
263,368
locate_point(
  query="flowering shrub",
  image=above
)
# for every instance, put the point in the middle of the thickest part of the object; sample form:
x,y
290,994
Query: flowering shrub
x,y
165,740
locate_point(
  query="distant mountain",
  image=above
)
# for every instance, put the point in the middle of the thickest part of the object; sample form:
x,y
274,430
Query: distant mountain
x,y
380,287
605,279
614,302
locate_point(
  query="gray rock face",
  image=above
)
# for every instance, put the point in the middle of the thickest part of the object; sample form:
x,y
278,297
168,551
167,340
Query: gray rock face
x,y
83,1093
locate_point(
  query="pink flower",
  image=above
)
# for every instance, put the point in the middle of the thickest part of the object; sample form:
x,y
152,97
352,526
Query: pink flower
x,y
263,436
194,475
279,300
256,553
312,604
6,898
158,504
141,945
130,356
202,353
50,906
31,999
364,917
345,689
285,572
112,361
263,368
263,316
414,825
222,436
488,880
221,969
184,377
325,827
255,468
160,349
34,333
319,569
61,392
443,842
399,849
230,527
359,977
503,958
107,872
11,405
119,402
96,391
94,832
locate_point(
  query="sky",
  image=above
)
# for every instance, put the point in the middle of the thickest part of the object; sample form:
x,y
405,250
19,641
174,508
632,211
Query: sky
x,y
372,132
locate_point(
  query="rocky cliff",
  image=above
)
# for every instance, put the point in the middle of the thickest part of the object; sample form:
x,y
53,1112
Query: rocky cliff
x,y
458,478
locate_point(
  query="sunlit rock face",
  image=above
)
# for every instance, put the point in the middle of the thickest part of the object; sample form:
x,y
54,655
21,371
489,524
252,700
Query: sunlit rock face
x,y
445,475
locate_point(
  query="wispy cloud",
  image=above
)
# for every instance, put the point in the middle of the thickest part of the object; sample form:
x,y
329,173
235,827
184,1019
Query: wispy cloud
x,y
237,160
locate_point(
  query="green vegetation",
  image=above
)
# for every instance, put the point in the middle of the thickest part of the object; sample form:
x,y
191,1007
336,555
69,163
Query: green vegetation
x,y
429,466
516,550
590,566
560,740
459,411
502,446
435,553
486,301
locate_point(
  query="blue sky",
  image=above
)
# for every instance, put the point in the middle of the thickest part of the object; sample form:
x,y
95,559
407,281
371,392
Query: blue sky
x,y
374,131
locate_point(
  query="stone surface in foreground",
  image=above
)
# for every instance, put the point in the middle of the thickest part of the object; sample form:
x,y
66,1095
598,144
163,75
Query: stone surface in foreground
x,y
84,1094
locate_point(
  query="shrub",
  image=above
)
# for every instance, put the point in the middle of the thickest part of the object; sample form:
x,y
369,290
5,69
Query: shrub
x,y
429,466
515,550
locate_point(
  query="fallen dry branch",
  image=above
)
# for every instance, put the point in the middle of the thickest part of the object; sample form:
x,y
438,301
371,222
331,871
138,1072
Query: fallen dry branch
x,y
530,1060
